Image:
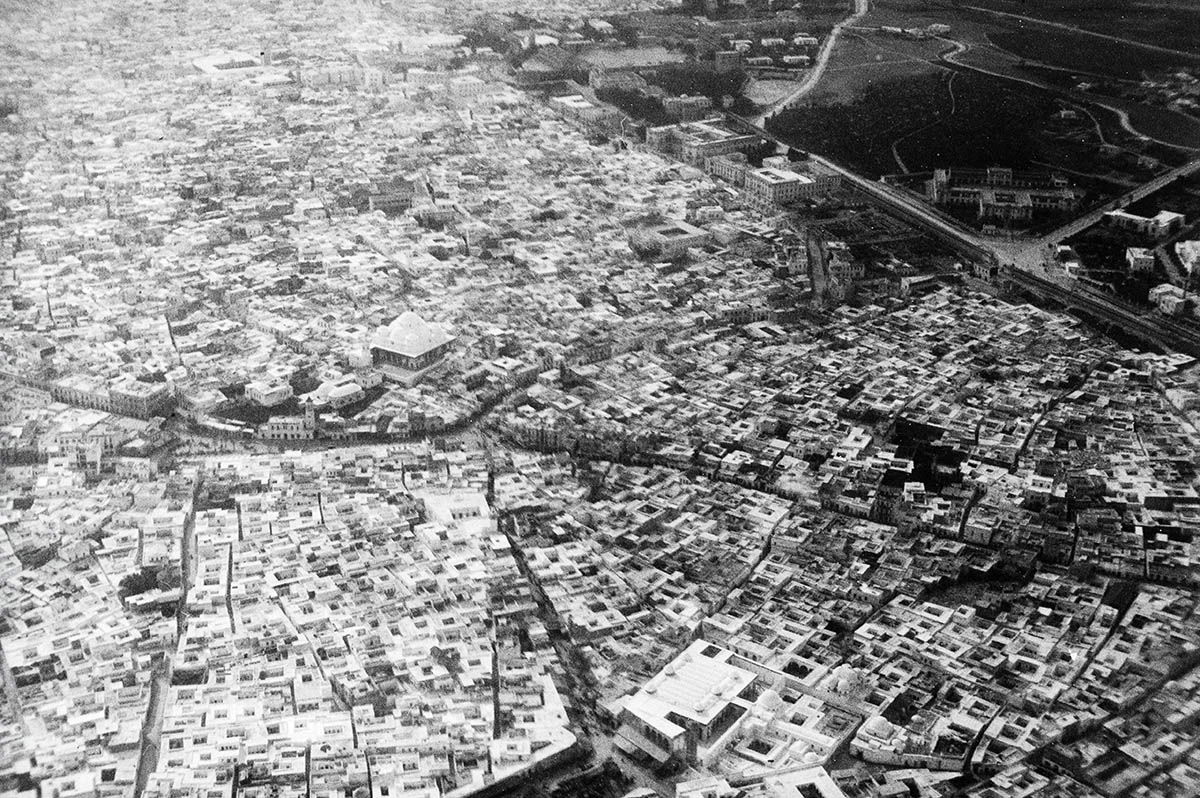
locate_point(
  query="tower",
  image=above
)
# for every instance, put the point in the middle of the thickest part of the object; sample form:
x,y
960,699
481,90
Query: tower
x,y
311,421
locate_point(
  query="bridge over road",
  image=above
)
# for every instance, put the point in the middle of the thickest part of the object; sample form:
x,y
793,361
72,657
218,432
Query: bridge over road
x,y
1024,259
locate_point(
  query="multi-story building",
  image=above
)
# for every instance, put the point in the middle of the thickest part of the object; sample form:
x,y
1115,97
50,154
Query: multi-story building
x,y
1188,253
768,186
1161,225
291,428
1002,194
727,60
1140,260
842,266
672,239
695,141
268,394
687,109
128,397
687,707
731,167
410,343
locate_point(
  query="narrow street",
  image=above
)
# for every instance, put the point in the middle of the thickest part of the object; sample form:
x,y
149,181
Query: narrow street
x,y
160,684
152,725
577,685
10,690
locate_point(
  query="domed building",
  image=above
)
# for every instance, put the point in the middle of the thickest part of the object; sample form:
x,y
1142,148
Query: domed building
x,y
409,343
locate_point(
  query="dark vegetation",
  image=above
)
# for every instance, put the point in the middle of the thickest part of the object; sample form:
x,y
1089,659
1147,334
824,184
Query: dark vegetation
x,y
1166,23
1102,247
691,79
1084,53
145,580
993,124
698,80
253,413
370,396
635,104
1181,196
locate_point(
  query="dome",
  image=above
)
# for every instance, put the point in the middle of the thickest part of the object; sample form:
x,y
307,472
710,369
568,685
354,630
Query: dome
x,y
770,699
410,335
878,726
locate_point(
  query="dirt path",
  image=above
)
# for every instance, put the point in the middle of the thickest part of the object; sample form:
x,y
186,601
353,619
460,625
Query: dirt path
x,y
1085,32
941,118
814,75
1122,115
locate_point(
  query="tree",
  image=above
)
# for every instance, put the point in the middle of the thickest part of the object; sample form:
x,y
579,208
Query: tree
x,y
742,106
137,582
169,578
628,36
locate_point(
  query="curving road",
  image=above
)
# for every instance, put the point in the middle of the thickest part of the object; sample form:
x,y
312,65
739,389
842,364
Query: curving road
x,y
818,69
1122,115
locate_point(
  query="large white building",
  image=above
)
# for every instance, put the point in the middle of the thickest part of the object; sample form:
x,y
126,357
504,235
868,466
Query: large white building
x,y
671,239
1160,225
409,343
687,707
769,186
268,394
695,141
1189,255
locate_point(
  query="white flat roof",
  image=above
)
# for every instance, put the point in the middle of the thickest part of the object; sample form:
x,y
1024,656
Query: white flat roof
x,y
692,685
772,175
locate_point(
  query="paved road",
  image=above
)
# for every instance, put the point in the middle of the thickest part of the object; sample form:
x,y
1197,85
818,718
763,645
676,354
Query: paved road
x,y
1022,253
1144,323
1090,218
1028,257
818,69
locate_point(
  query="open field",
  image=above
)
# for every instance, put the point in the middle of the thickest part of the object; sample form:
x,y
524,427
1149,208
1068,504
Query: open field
x,y
889,104
974,121
1167,24
1054,59
767,92
858,61
994,124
